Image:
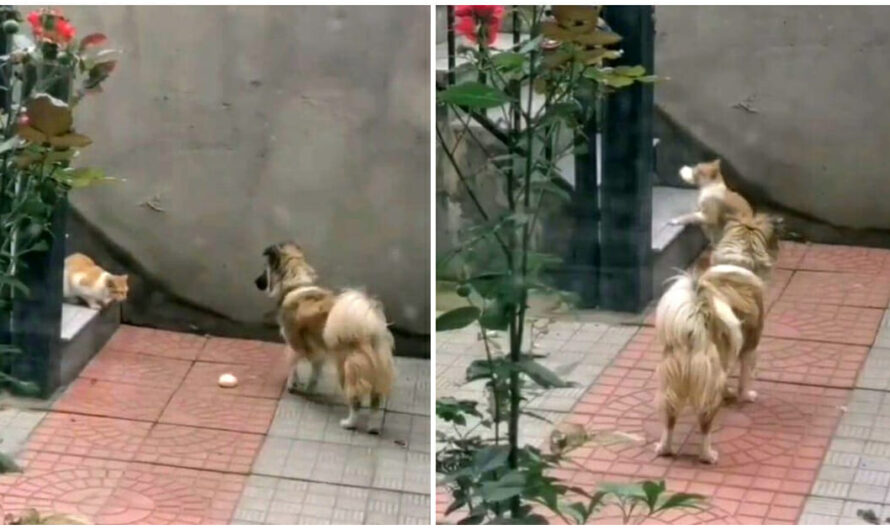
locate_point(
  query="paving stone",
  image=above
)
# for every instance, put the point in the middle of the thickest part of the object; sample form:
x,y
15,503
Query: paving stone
x,y
15,427
875,373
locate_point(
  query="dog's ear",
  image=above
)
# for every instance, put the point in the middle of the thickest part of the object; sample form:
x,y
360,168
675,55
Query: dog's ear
x,y
716,163
273,254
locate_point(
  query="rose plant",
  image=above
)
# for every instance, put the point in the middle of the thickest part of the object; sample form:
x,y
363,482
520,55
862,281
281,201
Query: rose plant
x,y
43,78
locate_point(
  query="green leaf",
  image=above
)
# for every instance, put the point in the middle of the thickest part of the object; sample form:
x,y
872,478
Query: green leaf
x,y
457,318
541,375
508,486
617,81
552,188
682,500
474,95
648,79
455,411
15,284
630,71
508,61
496,315
490,458
653,491
576,511
84,176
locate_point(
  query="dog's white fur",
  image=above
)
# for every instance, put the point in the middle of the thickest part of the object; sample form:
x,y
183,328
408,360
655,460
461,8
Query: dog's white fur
x,y
706,324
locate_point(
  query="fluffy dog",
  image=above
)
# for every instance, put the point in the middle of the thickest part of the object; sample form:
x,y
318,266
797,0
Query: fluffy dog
x,y
347,328
716,202
749,242
706,324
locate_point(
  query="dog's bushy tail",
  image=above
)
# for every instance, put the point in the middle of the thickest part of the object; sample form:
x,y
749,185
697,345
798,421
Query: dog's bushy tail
x,y
357,325
698,323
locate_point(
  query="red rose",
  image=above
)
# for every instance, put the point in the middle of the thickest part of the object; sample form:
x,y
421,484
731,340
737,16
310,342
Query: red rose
x,y
50,25
475,21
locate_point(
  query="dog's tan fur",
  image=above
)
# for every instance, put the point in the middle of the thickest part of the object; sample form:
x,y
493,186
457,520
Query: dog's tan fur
x,y
716,202
347,328
749,242
706,325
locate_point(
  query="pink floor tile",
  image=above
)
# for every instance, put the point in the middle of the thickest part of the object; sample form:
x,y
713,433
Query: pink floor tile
x,y
153,494
778,281
839,258
808,362
136,369
197,448
214,410
89,436
116,400
254,380
113,492
241,351
157,342
839,288
790,254
823,322
779,440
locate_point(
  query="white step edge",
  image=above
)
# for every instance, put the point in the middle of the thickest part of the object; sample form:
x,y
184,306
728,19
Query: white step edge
x,y
75,318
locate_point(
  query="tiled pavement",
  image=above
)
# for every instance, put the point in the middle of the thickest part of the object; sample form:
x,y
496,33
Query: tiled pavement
x,y
145,435
814,448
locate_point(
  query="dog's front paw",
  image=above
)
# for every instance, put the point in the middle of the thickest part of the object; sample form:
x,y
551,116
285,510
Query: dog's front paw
x,y
749,396
662,449
348,423
676,221
708,456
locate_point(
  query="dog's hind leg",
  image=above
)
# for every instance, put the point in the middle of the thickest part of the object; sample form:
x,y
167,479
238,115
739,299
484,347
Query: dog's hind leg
x,y
746,377
314,374
375,421
664,447
349,422
708,454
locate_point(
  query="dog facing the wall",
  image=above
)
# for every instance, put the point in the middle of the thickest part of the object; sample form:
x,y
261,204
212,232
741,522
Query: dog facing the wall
x,y
347,328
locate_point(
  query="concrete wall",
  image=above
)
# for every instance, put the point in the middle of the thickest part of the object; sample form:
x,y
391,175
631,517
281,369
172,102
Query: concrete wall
x,y
815,79
251,125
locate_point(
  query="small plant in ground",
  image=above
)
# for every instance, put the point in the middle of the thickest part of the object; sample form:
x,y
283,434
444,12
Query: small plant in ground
x,y
870,517
532,97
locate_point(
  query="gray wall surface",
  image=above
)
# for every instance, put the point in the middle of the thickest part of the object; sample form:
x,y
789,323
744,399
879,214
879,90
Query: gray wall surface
x,y
815,79
251,125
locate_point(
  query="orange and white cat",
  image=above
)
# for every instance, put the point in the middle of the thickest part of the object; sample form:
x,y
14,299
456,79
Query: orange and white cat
x,y
91,283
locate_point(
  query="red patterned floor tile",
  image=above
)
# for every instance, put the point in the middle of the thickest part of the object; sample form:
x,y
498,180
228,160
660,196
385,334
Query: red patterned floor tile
x,y
808,362
780,360
213,410
116,400
89,436
776,285
54,483
157,342
839,258
823,322
790,254
782,436
241,351
113,492
862,290
136,369
254,380
197,448
152,494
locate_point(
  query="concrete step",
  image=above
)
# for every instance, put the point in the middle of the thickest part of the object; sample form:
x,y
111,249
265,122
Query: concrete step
x,y
84,332
674,248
